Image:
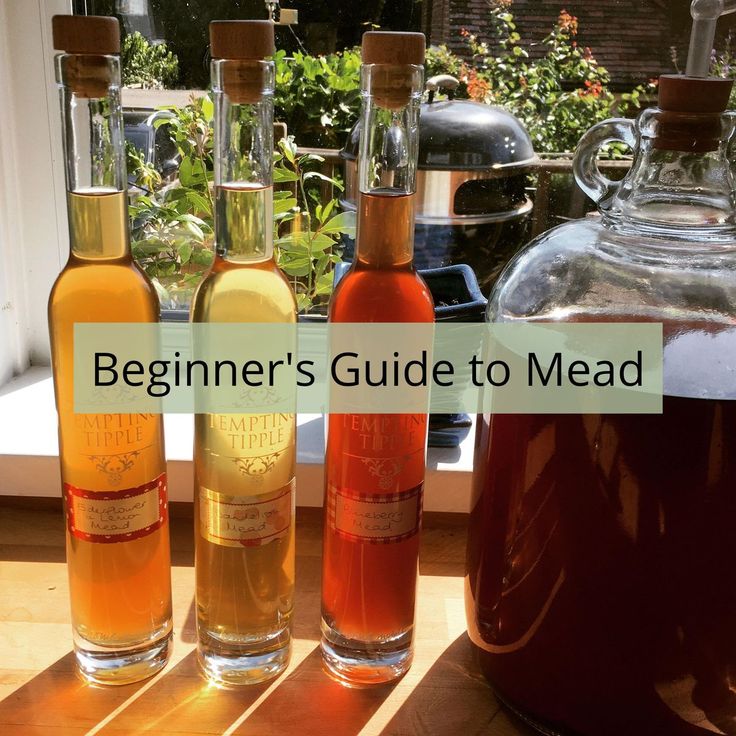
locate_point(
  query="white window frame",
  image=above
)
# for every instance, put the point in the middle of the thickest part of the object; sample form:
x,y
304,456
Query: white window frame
x,y
34,245
33,234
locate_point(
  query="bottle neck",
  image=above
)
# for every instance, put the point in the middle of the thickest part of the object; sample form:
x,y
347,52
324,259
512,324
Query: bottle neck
x,y
387,165
680,181
94,152
243,153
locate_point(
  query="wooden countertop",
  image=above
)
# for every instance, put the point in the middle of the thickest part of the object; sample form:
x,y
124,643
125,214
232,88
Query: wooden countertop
x,y
443,693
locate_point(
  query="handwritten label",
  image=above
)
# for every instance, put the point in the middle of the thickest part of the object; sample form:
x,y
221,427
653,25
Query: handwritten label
x,y
246,521
116,516
376,518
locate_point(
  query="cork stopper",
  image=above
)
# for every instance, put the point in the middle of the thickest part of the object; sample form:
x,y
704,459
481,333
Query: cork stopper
x,y
691,108
242,39
86,34
393,56
241,46
678,93
390,47
88,39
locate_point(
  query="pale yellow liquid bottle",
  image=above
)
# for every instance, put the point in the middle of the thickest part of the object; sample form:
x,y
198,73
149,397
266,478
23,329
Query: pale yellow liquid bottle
x,y
244,463
112,465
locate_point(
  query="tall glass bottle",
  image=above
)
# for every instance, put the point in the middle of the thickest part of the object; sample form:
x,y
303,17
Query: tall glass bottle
x,y
244,463
112,465
600,595
376,461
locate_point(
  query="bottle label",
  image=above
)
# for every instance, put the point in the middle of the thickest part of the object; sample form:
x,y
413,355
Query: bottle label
x,y
375,518
246,521
107,517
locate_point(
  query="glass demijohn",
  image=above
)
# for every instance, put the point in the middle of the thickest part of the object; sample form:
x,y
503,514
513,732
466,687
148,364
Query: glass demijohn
x,y
600,594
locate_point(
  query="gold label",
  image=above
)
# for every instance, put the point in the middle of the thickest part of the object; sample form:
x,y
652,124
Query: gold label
x,y
116,516
246,521
114,444
377,518
250,434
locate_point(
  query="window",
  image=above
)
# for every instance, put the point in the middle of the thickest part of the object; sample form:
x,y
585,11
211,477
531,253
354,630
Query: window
x,y
558,71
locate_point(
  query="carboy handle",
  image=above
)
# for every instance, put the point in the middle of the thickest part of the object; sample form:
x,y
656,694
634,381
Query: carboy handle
x,y
585,164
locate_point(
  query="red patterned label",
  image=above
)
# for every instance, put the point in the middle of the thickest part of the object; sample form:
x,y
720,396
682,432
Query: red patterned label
x,y
107,517
376,518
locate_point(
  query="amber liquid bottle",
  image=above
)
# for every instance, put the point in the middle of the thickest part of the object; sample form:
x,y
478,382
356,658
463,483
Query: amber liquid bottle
x,y
375,462
244,463
112,465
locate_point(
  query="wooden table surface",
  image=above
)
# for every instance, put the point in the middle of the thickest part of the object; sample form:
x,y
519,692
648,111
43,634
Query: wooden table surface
x,y
443,693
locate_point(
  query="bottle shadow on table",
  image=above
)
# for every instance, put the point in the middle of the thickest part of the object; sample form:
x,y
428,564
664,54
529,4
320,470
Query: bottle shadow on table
x,y
305,701
453,699
181,701
57,698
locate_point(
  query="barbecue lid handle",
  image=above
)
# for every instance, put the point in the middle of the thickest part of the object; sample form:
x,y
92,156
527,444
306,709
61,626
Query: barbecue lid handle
x,y
441,81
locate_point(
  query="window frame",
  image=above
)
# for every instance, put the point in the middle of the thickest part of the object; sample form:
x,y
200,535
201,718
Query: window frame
x,y
34,241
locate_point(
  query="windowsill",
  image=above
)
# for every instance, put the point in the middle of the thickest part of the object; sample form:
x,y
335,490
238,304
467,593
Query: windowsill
x,y
29,451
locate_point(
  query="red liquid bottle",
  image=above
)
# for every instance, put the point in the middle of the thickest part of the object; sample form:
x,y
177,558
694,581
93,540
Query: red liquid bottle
x,y
375,462
600,592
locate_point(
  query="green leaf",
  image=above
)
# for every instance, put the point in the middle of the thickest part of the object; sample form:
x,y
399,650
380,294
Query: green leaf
x,y
297,266
303,302
322,177
185,252
195,230
320,242
344,222
283,205
208,108
288,148
284,175
189,217
185,172
202,256
199,201
325,284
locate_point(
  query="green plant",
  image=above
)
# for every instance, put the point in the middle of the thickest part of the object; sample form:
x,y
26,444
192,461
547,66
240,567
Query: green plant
x,y
172,226
557,97
440,60
309,246
151,66
724,65
318,96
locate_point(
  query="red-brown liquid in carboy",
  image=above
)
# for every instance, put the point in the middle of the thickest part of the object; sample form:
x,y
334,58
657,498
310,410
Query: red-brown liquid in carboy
x,y
601,588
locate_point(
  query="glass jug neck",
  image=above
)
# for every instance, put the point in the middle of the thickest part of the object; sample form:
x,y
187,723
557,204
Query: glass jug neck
x,y
243,154
680,183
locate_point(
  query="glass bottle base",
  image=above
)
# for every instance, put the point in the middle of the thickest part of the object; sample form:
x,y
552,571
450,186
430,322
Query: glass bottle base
x,y
103,666
244,663
355,663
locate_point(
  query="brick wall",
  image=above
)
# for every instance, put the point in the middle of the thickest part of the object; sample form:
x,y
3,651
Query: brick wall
x,y
631,38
